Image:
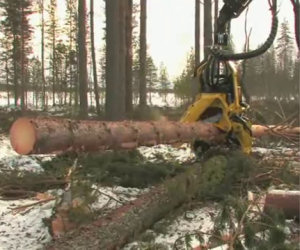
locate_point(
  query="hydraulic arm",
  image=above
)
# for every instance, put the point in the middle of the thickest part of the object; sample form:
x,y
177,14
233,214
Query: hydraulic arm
x,y
220,95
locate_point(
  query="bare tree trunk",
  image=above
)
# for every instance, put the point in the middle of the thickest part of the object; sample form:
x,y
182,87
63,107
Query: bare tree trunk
x,y
23,80
7,81
43,56
122,59
115,60
96,89
53,67
83,85
197,32
216,13
143,53
128,85
207,27
16,70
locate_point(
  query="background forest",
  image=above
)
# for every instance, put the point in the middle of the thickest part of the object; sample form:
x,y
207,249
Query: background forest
x,y
67,68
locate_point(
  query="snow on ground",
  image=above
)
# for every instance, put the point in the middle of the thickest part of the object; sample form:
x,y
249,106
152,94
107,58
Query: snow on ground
x,y
114,197
9,159
179,154
27,230
197,220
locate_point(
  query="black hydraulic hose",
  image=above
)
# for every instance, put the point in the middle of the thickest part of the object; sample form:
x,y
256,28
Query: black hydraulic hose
x,y
225,55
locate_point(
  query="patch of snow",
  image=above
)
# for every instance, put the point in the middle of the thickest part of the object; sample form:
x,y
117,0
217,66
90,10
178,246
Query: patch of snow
x,y
9,159
200,219
113,197
26,230
180,154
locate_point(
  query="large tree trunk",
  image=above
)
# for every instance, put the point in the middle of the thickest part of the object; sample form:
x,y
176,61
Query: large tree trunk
x,y
129,60
207,27
96,89
40,135
115,80
121,225
83,85
143,53
197,32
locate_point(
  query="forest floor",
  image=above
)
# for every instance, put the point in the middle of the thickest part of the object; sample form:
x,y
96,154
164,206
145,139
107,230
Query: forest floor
x,y
32,188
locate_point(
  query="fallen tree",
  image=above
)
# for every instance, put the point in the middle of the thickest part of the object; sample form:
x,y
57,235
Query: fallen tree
x,y
128,221
45,135
48,135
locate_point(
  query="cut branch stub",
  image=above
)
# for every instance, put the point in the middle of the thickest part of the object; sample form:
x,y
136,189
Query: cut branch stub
x,y
46,135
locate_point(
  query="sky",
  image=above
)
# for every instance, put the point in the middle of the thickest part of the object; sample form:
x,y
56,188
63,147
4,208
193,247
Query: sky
x,y
170,28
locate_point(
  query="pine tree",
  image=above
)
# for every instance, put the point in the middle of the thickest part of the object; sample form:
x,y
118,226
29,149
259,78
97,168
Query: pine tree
x,y
207,27
41,11
151,76
129,57
6,59
16,23
52,32
143,53
72,30
182,84
285,47
83,84
284,51
115,60
163,79
95,78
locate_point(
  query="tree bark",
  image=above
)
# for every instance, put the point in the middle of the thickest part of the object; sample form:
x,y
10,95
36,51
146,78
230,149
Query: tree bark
x,y
288,201
16,69
207,27
143,53
129,60
197,32
216,13
22,55
43,55
40,135
121,225
96,89
83,85
115,80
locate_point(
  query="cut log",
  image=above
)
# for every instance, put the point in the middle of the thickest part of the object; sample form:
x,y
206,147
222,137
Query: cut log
x,y
126,222
284,131
46,135
42,135
287,201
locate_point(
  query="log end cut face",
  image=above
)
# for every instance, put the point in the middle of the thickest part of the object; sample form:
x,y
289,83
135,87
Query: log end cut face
x,y
23,136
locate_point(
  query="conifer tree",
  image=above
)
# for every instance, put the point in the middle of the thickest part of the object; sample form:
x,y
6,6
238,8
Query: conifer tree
x,y
16,23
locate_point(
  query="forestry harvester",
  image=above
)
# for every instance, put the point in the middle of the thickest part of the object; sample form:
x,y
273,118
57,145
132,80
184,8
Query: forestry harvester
x,y
220,92
216,116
